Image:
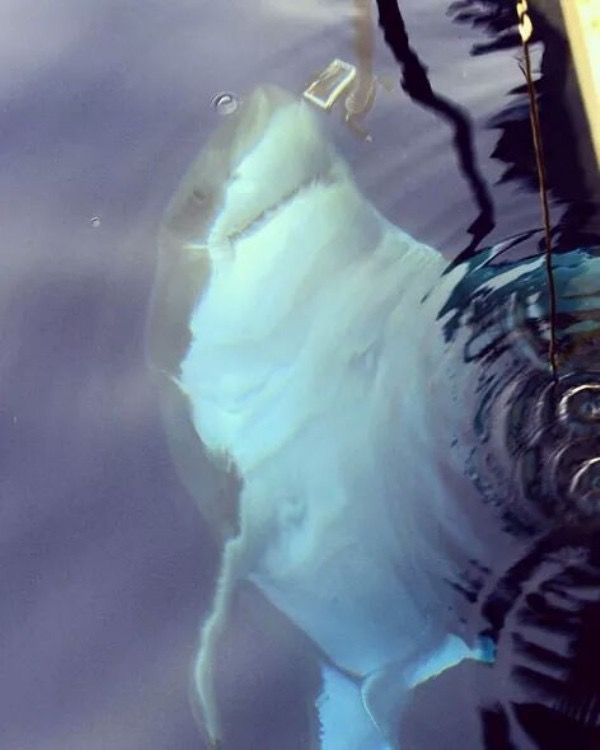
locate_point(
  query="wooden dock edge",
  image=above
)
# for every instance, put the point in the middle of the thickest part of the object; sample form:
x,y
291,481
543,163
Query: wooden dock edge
x,y
582,23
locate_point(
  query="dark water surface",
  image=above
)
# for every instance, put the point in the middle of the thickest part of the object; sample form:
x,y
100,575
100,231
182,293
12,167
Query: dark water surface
x,y
106,566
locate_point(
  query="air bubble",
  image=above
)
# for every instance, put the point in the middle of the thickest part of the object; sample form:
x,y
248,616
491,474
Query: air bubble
x,y
225,103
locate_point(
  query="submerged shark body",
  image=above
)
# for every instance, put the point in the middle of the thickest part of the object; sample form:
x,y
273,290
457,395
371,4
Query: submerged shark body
x,y
319,361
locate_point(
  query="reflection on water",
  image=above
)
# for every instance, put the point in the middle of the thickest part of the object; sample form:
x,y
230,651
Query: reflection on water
x,y
577,189
417,85
407,465
107,569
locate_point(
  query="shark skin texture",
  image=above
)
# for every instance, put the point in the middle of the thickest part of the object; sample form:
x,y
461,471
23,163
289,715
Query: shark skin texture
x,y
306,335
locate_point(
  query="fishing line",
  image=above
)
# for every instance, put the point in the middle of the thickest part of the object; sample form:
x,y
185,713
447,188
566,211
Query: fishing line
x,y
525,31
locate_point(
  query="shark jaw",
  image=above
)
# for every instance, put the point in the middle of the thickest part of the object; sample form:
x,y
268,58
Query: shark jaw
x,y
304,358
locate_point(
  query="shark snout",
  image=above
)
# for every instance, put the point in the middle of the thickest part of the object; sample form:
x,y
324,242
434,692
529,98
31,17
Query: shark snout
x,y
263,153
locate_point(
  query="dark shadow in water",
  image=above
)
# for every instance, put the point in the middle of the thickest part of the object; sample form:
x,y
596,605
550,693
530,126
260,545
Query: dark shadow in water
x,y
553,692
496,729
416,84
544,611
543,615
570,165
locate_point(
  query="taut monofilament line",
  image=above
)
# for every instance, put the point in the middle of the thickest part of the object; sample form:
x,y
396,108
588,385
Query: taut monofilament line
x,y
525,30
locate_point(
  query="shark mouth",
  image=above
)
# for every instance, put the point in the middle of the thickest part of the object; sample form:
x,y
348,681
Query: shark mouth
x,y
220,201
302,330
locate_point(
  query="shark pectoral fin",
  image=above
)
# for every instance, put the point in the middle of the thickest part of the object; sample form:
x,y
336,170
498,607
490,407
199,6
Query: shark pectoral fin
x,y
345,725
451,652
386,693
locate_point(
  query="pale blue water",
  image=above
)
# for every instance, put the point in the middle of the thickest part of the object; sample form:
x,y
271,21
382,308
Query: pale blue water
x,y
108,568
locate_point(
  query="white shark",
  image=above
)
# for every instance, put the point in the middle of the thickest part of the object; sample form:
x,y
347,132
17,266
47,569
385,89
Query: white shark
x,y
313,364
